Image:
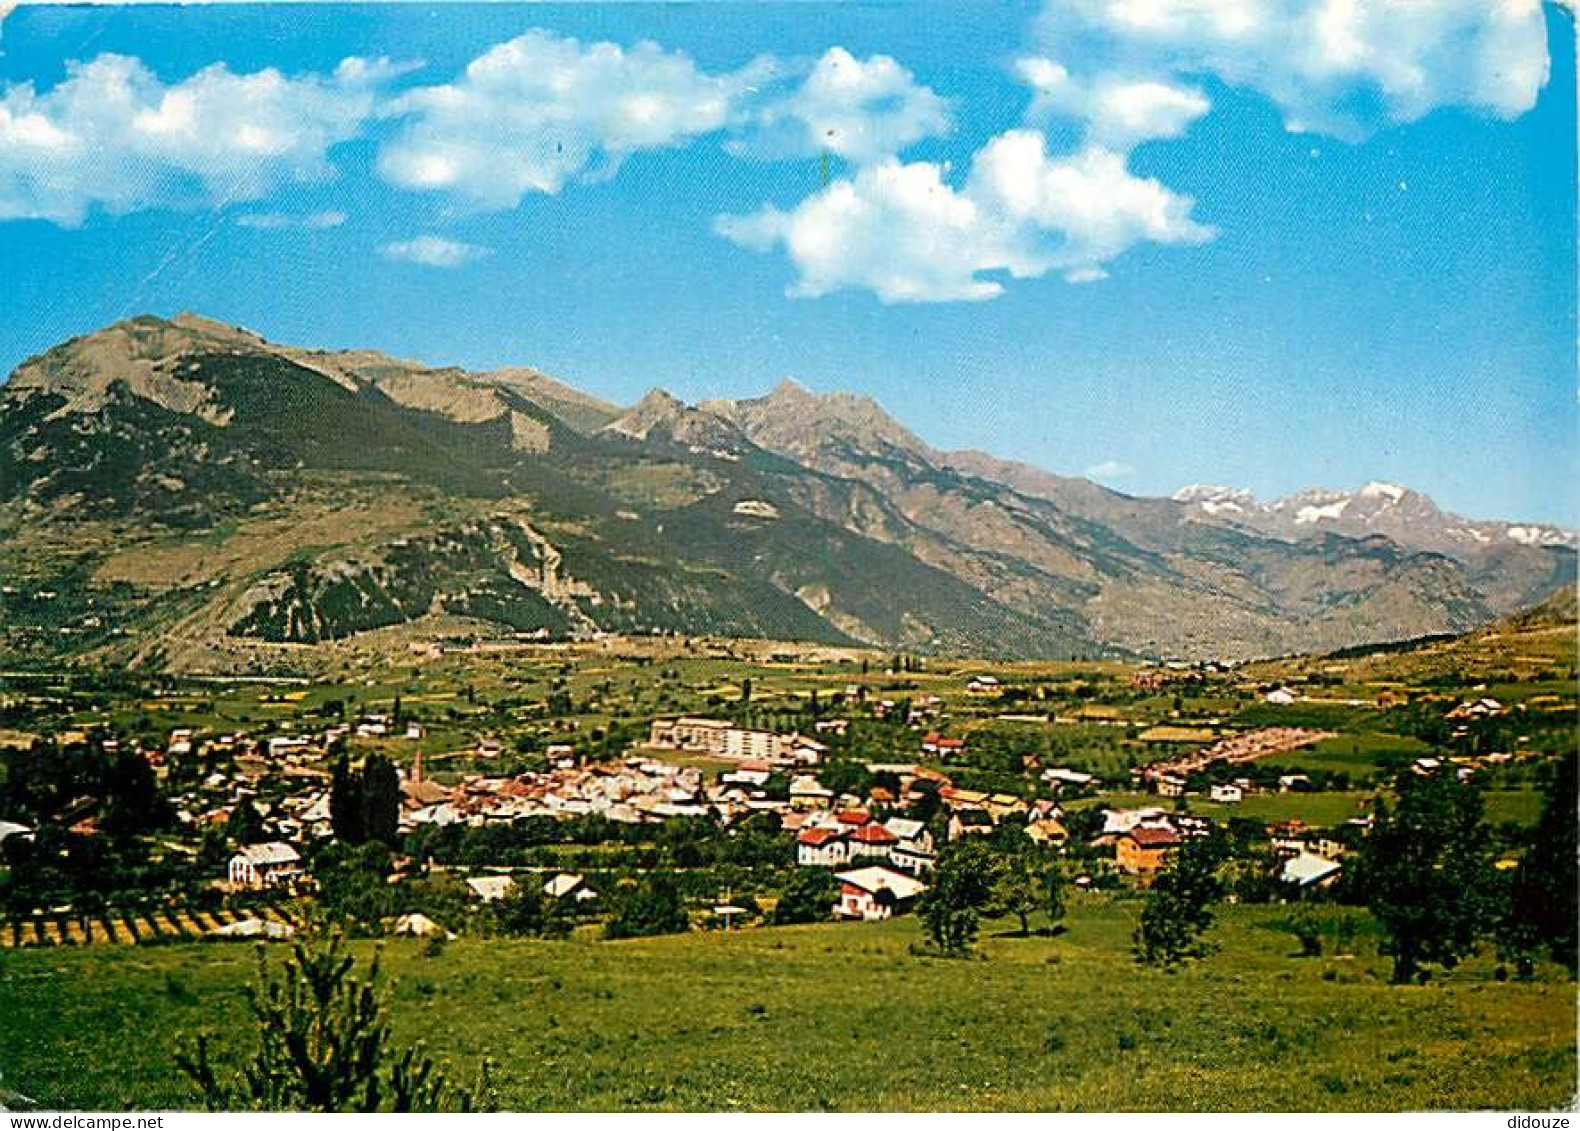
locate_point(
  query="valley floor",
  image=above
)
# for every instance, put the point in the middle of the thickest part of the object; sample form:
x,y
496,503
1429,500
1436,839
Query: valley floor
x,y
847,1017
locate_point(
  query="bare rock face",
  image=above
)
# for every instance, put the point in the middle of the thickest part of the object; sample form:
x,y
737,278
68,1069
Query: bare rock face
x,y
152,358
661,416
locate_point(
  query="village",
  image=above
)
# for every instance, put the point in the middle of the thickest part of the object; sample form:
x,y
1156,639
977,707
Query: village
x,y
867,787
565,855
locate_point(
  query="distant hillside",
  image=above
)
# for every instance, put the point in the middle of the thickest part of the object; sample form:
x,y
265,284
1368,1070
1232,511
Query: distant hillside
x,y
1559,610
184,493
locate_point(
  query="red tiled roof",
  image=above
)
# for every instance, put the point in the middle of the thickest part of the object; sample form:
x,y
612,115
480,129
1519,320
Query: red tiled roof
x,y
1153,838
874,834
854,817
818,837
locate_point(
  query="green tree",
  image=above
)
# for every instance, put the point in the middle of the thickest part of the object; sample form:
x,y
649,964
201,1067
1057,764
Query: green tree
x,y
345,802
1179,907
380,800
133,802
353,883
1542,909
1026,880
1054,883
651,906
962,886
1425,873
324,1044
525,911
1306,926
808,896
244,826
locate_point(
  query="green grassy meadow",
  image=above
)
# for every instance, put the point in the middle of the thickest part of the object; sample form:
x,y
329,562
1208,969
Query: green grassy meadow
x,y
847,1017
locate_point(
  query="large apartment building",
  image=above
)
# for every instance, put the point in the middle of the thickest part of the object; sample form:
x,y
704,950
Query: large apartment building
x,y
720,738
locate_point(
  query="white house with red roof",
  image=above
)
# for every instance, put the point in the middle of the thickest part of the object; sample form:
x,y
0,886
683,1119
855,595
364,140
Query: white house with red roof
x,y
939,746
820,847
872,841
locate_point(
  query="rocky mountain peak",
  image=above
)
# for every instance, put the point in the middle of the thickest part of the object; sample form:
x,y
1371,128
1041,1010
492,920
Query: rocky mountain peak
x,y
151,357
660,415
1407,516
824,428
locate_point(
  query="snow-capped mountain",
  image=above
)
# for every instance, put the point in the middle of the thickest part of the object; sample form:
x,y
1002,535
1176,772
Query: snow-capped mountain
x,y
1402,514
1220,502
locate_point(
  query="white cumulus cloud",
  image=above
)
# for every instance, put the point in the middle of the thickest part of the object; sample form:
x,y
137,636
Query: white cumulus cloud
x,y
433,251
1117,112
112,136
1339,67
862,110
898,230
538,111
905,233
1077,212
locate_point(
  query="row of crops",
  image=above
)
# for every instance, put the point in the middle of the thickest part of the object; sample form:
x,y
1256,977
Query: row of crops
x,y
127,926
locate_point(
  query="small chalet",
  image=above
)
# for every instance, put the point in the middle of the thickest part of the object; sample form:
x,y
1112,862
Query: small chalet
x,y
1144,851
806,792
875,892
1047,831
569,885
1477,709
1060,776
489,888
940,747
265,865
1169,785
1308,870
913,848
969,822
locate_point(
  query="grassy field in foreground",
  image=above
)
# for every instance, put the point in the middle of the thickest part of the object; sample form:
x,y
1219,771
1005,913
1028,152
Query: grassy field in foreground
x,y
846,1017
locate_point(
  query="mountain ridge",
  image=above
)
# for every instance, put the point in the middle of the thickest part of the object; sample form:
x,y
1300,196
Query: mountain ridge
x,y
1376,506
528,506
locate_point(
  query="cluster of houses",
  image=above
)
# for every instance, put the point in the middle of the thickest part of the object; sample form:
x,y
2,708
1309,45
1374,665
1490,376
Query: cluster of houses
x,y
634,791
1170,778
1144,839
829,839
573,886
881,860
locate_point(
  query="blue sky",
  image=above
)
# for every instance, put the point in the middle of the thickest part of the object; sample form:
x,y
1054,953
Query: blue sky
x,y
1196,250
